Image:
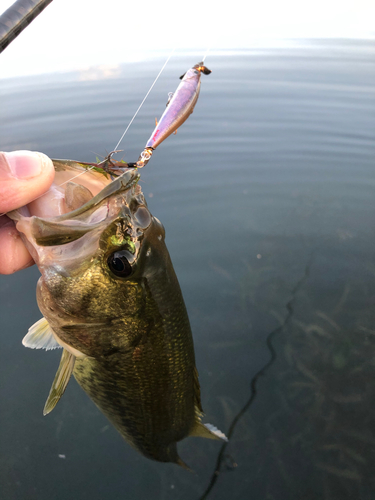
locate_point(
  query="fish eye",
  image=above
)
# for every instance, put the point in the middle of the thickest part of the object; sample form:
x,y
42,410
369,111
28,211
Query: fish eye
x,y
119,264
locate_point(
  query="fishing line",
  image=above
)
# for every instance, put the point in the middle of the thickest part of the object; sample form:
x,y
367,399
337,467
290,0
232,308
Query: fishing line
x,y
205,55
75,177
135,114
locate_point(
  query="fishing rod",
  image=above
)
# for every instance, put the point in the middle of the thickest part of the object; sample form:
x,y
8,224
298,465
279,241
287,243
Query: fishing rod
x,y
15,19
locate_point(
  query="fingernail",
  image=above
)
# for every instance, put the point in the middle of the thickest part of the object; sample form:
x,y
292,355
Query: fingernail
x,y
24,164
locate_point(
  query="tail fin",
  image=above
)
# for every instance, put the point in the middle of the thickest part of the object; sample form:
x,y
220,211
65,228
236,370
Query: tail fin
x,y
207,431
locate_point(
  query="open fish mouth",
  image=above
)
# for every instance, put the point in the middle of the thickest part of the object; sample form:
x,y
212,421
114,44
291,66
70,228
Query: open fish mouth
x,y
73,225
77,215
79,200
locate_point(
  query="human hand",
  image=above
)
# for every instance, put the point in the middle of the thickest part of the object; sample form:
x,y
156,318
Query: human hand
x,y
24,176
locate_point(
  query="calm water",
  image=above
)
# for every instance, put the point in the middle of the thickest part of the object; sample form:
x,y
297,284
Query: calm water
x,y
267,197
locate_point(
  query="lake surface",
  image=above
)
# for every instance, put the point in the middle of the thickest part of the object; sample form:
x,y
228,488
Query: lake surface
x,y
267,194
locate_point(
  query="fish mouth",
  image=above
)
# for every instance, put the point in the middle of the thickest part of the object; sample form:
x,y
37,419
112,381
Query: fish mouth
x,y
112,202
121,184
75,235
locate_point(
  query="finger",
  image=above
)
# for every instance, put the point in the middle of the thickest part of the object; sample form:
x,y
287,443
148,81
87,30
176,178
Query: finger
x,y
13,253
24,176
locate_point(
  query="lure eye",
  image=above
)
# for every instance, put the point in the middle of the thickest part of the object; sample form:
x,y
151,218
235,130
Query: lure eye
x,y
119,264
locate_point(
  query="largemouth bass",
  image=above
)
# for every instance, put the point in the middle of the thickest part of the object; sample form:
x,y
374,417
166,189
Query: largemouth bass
x,y
110,298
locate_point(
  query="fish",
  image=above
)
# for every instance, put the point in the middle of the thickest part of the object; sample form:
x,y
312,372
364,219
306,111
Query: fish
x,y
111,300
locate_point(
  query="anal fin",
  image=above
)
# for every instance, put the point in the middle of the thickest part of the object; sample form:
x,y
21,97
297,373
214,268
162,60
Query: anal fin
x,y
60,382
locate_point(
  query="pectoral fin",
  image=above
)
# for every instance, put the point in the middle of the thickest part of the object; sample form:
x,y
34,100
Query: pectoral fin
x,y
40,336
207,431
60,382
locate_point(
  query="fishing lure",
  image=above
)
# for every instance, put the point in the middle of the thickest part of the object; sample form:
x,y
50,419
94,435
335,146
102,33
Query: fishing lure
x,y
179,107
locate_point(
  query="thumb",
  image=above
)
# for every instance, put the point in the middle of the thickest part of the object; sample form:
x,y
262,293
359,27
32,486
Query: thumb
x,y
24,176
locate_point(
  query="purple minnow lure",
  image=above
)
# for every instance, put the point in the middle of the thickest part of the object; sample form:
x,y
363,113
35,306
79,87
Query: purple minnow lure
x,y
179,108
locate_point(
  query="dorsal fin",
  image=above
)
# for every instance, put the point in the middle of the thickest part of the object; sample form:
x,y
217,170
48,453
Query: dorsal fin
x,y
60,382
40,336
